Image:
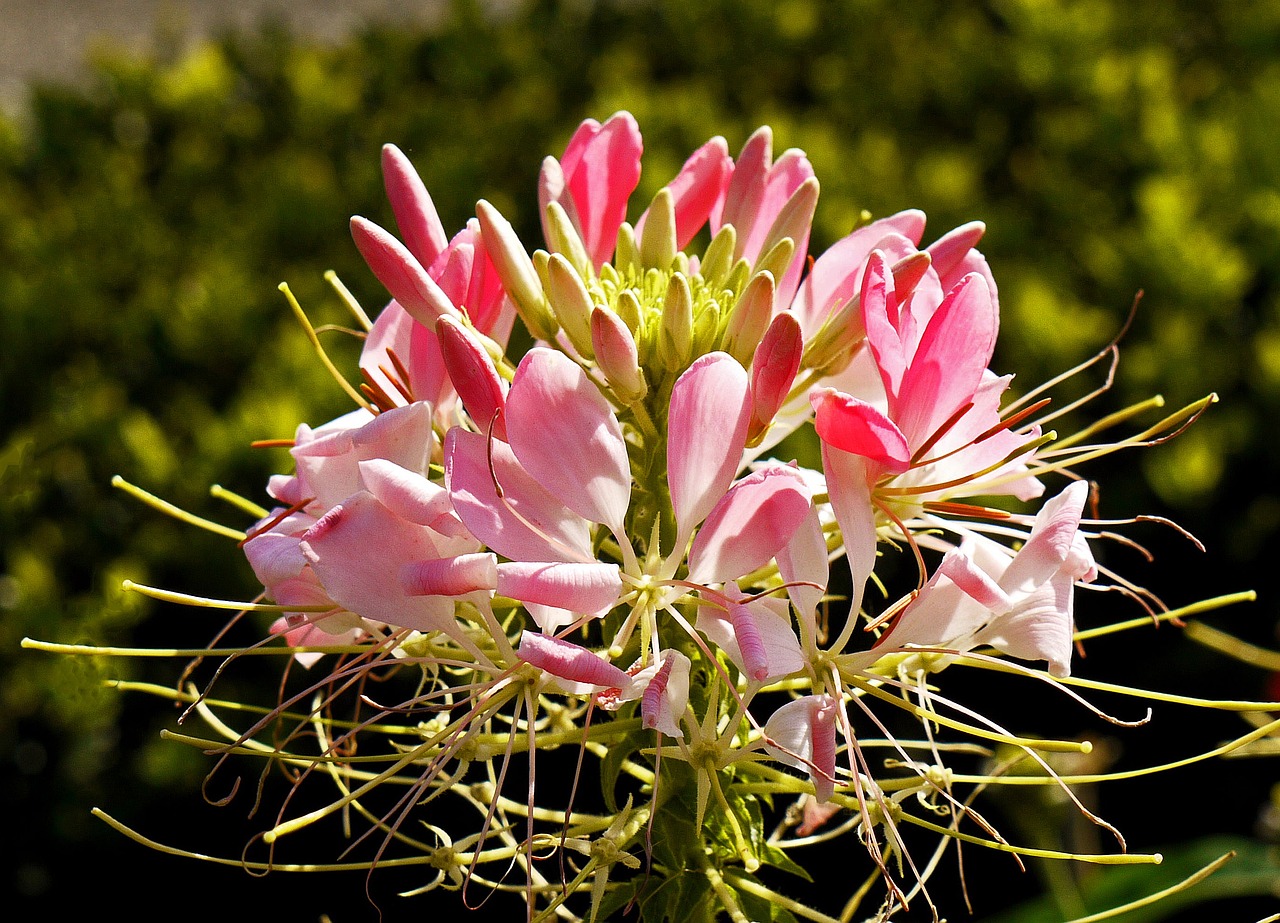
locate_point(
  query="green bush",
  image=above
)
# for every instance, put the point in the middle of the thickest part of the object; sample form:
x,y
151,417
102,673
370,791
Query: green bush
x,y
146,220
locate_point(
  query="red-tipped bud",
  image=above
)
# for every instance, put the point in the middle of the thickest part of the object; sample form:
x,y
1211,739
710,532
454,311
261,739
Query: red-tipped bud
x,y
416,215
773,371
401,273
474,376
616,355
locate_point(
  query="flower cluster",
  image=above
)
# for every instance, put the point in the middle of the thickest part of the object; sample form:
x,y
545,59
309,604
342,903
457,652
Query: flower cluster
x,y
604,546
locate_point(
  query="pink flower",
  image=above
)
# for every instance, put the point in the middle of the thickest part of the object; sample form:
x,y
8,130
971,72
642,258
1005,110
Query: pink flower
x,y
1021,604
802,734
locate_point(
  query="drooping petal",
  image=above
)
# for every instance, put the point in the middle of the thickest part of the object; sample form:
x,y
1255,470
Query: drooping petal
x,y
757,636
750,524
1050,542
854,426
527,523
706,433
1038,626
589,589
357,550
666,693
802,734
580,669
567,437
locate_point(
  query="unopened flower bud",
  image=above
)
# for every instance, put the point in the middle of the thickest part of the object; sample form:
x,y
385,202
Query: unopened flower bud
x,y
416,215
750,318
515,268
675,337
473,375
570,302
626,253
718,259
563,239
773,371
400,273
777,258
658,240
616,355
837,341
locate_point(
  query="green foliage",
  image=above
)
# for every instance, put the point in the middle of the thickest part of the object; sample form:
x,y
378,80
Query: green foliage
x,y
146,221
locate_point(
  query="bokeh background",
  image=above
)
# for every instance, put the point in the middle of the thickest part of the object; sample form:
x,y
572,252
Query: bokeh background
x,y
154,195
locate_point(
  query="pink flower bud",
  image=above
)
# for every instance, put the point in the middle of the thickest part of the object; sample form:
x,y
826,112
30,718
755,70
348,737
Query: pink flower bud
x,y
616,355
400,273
773,371
474,376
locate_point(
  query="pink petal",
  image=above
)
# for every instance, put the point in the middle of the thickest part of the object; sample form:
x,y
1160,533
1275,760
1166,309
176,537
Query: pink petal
x,y
357,550
474,376
1050,543
950,362
849,488
802,734
415,213
400,272
1038,627
758,639
855,427
568,661
697,189
803,561
750,524
836,277
412,497
666,694
417,350
401,435
451,576
706,433
601,166
567,437
589,589
889,329
527,523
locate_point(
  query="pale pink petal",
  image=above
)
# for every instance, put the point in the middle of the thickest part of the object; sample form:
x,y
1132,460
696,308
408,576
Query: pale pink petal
x,y
415,213
451,576
567,437
802,734
1050,543
750,524
975,582
666,694
756,636
527,523
803,565
412,497
1038,627
357,550
706,433
589,589
401,435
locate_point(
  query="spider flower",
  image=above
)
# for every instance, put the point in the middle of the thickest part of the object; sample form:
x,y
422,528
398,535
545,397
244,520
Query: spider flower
x,y
598,545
